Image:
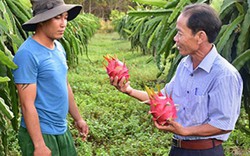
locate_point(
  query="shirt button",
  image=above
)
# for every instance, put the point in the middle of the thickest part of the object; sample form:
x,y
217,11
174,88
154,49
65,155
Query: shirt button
x,y
188,92
192,74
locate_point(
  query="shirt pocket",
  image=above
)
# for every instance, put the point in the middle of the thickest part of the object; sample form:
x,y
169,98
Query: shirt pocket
x,y
198,109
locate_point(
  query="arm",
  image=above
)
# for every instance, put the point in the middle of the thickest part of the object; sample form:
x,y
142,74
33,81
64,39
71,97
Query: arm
x,y
125,87
80,124
201,130
27,95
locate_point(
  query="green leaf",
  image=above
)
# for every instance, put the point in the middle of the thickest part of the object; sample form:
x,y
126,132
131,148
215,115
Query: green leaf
x,y
16,11
128,31
158,3
6,61
166,43
243,40
3,25
228,50
26,4
171,4
4,79
217,4
161,12
223,40
241,59
138,27
8,17
5,109
226,4
177,10
152,36
2,7
16,39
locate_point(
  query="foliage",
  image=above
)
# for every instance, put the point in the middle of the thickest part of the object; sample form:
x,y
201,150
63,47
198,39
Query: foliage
x,y
76,36
115,17
11,36
118,124
102,8
153,31
116,14
233,43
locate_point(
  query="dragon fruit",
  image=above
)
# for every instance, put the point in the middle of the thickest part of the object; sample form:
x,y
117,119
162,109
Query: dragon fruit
x,y
162,107
116,68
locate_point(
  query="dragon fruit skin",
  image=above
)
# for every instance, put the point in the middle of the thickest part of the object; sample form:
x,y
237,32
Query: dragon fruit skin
x,y
116,68
162,107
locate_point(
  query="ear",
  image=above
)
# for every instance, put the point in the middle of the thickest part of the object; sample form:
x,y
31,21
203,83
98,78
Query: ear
x,y
202,36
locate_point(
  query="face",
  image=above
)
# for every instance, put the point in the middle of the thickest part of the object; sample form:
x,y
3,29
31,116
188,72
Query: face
x,y
55,27
186,41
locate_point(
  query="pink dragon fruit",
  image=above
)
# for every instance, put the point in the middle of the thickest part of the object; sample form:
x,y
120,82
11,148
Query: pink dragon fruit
x,y
116,68
161,107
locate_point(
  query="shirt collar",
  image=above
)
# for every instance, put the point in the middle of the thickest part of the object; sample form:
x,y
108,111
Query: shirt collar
x,y
206,63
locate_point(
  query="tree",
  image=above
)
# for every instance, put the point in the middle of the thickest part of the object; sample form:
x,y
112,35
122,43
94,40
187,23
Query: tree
x,y
102,8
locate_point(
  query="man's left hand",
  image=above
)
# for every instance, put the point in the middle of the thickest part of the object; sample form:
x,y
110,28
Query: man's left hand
x,y
82,128
173,127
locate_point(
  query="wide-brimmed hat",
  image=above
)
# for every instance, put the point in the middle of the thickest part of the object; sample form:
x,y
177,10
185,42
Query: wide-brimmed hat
x,y
44,10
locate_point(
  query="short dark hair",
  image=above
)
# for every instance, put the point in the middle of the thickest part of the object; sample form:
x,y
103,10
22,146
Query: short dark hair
x,y
202,17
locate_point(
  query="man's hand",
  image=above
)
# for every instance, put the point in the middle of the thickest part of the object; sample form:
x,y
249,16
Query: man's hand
x,y
122,85
42,151
173,127
83,129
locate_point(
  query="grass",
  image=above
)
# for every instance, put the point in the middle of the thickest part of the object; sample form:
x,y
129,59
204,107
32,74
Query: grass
x,y
120,125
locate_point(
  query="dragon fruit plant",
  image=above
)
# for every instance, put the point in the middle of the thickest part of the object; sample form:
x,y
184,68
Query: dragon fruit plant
x,y
162,107
116,68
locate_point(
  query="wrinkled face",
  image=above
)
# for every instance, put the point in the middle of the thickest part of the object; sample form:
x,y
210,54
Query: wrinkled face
x,y
55,27
186,42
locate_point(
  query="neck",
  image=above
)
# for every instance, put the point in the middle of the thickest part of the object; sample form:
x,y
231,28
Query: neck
x,y
43,40
201,54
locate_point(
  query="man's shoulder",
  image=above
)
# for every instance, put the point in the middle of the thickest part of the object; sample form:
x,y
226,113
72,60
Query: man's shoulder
x,y
225,68
27,50
224,64
26,45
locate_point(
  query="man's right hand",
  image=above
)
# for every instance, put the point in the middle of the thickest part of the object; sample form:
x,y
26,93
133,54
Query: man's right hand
x,y
122,85
42,151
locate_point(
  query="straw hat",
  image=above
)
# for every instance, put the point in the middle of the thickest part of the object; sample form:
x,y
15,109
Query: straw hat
x,y
44,10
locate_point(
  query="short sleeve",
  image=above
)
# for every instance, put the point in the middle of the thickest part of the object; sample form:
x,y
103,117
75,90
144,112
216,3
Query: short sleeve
x,y
27,67
225,101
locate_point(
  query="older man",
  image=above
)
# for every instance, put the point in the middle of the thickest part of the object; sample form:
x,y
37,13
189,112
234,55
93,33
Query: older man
x,y
207,87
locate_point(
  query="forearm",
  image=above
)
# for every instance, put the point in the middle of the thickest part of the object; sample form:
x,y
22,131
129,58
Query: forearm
x,y
139,95
203,130
74,112
73,109
33,126
80,124
27,95
124,86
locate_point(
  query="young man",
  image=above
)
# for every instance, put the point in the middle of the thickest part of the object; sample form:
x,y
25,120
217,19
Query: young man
x,y
207,88
41,79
